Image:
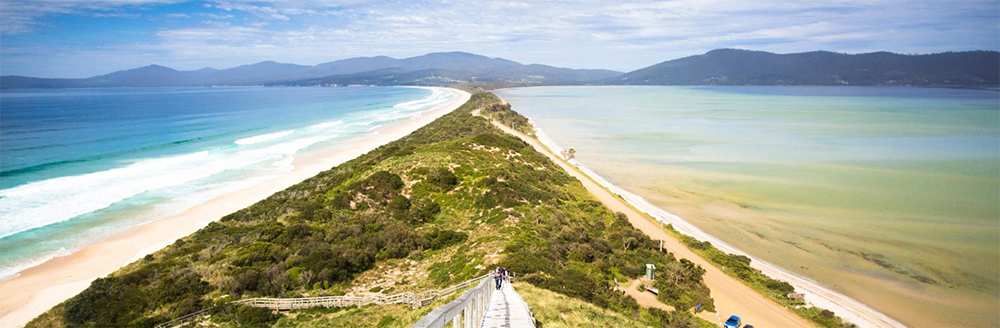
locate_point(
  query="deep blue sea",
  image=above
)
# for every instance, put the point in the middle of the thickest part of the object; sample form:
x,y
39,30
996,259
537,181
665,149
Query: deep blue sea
x,y
79,165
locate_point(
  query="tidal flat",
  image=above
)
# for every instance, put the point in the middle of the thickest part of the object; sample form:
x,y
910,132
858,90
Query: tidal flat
x,y
888,195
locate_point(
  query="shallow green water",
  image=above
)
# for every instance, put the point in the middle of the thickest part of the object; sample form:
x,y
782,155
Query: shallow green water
x,y
900,185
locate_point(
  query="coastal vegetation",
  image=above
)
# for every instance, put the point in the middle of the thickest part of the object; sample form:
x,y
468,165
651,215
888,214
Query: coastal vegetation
x,y
501,113
738,266
439,206
746,67
554,310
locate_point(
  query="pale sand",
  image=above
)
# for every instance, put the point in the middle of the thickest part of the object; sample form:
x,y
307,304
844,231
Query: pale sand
x,y
730,295
39,288
816,295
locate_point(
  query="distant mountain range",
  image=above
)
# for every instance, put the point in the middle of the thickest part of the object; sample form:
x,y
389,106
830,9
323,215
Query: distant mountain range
x,y
430,69
717,67
745,67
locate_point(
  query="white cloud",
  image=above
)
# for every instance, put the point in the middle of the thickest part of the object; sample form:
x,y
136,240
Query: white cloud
x,y
217,16
621,35
22,16
618,35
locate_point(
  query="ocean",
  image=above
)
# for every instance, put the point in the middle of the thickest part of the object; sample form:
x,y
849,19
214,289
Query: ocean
x,y
889,195
81,165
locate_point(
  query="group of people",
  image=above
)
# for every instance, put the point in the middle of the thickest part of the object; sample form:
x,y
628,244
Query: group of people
x,y
501,275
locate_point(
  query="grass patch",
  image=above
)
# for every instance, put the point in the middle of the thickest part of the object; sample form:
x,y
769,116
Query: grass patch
x,y
555,310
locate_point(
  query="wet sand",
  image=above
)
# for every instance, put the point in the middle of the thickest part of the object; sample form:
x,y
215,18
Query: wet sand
x,y
817,250
730,296
888,198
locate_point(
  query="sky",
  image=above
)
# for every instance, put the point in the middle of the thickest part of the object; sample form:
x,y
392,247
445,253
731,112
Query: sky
x,y
72,38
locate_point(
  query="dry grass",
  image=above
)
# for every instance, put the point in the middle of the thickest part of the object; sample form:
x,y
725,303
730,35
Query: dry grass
x,y
554,310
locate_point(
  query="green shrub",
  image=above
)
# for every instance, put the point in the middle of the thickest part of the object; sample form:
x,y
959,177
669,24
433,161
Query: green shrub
x,y
439,239
443,179
498,140
325,231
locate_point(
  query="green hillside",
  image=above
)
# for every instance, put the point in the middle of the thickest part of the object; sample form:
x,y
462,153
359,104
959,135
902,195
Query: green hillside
x,y
745,67
442,205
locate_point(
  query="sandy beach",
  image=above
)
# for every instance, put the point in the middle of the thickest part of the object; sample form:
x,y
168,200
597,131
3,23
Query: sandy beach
x,y
729,294
39,288
816,295
773,172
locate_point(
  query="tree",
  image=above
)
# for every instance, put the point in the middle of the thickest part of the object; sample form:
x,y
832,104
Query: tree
x,y
568,154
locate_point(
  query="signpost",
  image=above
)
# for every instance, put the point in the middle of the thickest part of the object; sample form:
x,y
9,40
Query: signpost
x,y
661,236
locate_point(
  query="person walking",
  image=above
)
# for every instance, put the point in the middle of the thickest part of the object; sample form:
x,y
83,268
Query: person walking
x,y
498,277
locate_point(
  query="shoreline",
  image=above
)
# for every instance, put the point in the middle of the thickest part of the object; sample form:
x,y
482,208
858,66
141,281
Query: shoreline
x,y
850,309
730,295
41,287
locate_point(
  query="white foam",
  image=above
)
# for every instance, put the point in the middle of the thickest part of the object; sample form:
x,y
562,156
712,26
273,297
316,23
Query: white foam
x,y
409,105
327,125
436,98
55,200
290,147
264,137
395,115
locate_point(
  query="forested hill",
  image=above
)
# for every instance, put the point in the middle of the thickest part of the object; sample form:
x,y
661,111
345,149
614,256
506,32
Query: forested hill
x,y
745,67
442,205
717,67
442,68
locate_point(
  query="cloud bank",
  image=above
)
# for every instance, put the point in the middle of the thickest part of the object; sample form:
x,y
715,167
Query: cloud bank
x,y
75,39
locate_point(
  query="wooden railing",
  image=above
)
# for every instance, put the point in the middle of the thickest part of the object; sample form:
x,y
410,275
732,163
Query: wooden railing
x,y
465,311
416,300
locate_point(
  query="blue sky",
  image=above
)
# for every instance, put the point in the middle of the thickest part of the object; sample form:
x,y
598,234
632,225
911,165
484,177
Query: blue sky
x,y
70,38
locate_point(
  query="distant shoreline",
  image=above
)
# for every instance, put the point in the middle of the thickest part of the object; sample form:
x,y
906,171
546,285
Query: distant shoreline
x,y
41,287
846,307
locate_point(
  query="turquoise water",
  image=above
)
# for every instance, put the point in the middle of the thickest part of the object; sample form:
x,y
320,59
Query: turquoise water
x,y
82,164
889,195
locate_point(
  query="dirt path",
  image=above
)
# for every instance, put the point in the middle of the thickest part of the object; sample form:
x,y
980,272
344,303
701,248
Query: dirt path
x,y
645,299
731,296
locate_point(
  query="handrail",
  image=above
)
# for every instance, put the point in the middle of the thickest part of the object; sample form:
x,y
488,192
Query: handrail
x,y
417,300
470,307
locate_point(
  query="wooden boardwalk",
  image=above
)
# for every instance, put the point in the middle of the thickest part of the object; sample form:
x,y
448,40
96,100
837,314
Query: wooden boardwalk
x,y
507,309
416,300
